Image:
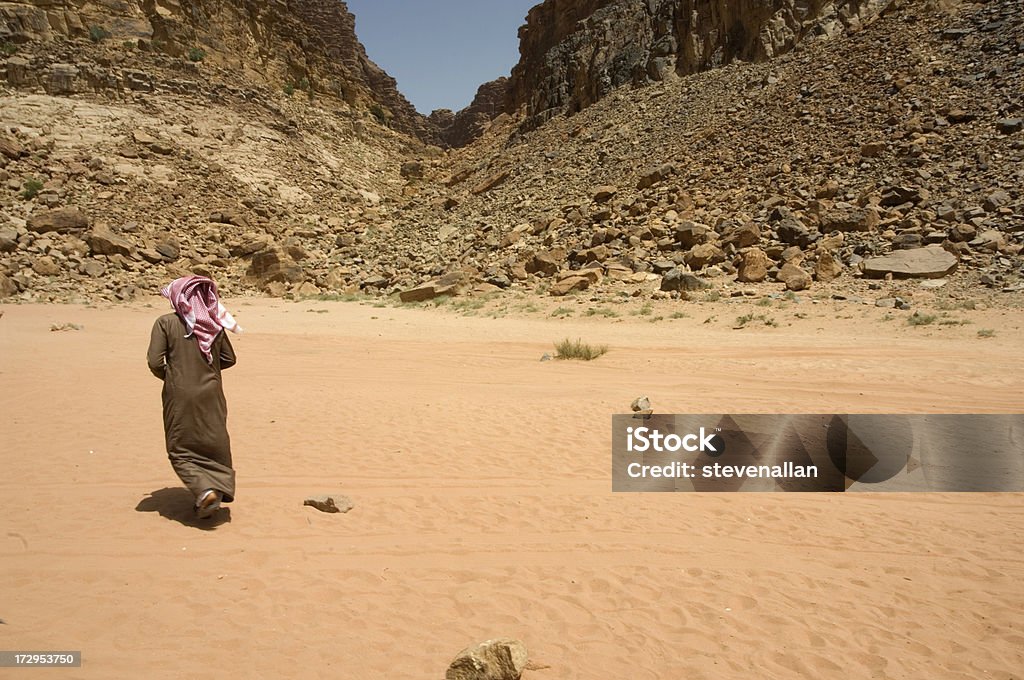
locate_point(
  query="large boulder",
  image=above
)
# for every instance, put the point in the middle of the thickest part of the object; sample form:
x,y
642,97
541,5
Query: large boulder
x,y
275,265
60,220
795,277
500,659
103,241
547,263
679,280
703,255
921,263
850,219
449,284
753,266
827,267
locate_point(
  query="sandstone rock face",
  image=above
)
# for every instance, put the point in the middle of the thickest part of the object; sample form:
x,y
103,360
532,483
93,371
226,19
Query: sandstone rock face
x,y
310,44
574,52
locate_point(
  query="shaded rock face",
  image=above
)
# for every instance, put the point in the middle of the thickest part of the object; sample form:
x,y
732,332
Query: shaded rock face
x,y
574,52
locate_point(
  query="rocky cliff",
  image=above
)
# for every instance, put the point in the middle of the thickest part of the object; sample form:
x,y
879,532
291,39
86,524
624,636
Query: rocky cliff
x,y
459,129
305,45
574,52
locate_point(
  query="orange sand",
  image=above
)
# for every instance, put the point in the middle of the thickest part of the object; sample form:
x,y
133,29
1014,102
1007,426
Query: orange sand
x,y
481,482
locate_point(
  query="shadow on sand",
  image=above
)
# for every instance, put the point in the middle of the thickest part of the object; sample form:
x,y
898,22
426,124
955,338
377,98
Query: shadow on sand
x,y
177,504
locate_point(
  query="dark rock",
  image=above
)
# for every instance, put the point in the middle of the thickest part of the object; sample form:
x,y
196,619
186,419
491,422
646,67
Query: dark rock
x,y
679,280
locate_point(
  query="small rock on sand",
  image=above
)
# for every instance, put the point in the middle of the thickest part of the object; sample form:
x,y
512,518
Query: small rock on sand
x,y
500,659
641,404
330,503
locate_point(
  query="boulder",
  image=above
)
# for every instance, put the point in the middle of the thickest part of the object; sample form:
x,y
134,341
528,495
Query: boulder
x,y
61,220
794,277
412,170
490,182
449,284
793,232
931,262
683,281
827,267
703,255
499,659
741,235
11,147
274,265
753,266
547,263
8,287
690,234
603,194
568,284
103,241
45,266
652,176
850,219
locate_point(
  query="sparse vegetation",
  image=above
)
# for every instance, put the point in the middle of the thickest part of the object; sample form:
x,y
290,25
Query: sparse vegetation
x,y
7,48
712,296
645,310
196,54
742,321
918,319
379,113
130,44
98,34
31,189
601,311
678,315
289,89
986,333
563,312
577,349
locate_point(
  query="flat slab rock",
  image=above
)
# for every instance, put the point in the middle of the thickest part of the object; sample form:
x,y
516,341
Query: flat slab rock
x,y
918,263
330,503
498,659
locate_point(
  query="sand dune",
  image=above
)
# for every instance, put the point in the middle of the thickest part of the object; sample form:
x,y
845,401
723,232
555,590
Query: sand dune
x,y
481,479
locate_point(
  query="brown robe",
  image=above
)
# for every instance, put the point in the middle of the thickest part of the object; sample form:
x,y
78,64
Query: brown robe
x,y
195,411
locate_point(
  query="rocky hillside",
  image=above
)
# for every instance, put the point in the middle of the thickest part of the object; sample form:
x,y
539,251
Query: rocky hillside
x,y
892,150
899,141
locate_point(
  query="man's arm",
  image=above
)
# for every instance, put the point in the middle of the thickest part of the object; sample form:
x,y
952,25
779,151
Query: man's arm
x,y
227,352
156,357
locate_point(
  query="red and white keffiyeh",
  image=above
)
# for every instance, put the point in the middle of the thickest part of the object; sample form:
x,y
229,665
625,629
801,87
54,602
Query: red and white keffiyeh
x,y
195,300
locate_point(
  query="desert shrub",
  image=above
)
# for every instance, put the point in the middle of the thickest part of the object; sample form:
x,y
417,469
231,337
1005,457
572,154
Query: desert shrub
x,y
917,319
31,189
98,34
577,349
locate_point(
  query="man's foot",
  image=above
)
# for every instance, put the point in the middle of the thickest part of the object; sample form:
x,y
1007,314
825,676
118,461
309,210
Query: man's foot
x,y
208,503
